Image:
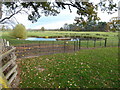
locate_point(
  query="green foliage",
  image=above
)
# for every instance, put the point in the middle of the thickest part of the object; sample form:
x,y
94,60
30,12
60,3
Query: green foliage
x,y
20,31
113,29
42,29
84,9
88,26
102,26
61,29
114,24
3,28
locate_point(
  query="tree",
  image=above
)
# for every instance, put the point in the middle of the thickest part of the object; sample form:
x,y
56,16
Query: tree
x,y
34,9
66,27
20,31
70,27
114,24
61,29
42,29
101,26
3,28
88,11
73,27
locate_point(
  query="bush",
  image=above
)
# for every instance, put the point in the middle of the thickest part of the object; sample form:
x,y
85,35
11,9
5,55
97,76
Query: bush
x,y
20,31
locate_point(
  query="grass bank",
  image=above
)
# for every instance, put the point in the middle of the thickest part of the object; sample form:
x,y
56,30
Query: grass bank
x,y
93,68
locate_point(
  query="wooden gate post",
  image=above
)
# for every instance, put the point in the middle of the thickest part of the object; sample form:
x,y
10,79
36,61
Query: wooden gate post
x,y
7,78
3,81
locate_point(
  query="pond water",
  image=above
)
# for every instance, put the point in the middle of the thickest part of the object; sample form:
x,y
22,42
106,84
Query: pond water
x,y
45,39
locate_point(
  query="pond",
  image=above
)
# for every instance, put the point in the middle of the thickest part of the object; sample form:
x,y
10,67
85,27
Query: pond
x,y
48,39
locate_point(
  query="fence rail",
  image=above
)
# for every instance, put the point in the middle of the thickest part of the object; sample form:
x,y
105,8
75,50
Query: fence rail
x,y
51,47
8,66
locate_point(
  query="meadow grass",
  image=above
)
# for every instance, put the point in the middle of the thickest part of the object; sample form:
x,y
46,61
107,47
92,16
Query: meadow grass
x,y
92,68
112,37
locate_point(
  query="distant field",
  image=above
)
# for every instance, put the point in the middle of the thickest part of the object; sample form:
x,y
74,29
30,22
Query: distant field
x,y
112,36
87,68
92,68
62,33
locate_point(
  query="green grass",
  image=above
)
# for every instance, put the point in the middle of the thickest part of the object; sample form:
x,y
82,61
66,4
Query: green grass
x,y
112,36
93,68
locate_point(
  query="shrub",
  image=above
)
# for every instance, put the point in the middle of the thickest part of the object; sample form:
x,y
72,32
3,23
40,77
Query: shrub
x,y
20,31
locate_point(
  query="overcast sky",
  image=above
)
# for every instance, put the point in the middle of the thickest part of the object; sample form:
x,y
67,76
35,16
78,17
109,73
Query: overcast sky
x,y
53,22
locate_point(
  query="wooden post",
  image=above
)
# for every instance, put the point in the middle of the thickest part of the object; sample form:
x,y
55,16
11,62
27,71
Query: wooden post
x,y
53,46
3,81
94,42
74,45
6,80
87,42
119,42
79,43
100,42
105,42
64,46
39,46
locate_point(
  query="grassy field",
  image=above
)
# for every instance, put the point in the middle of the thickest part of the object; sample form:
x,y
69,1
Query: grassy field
x,y
112,37
92,68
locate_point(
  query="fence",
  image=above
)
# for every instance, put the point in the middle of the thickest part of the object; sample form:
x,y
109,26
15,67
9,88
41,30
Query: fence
x,y
8,66
51,47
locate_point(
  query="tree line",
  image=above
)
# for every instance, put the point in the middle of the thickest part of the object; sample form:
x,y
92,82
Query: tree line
x,y
113,25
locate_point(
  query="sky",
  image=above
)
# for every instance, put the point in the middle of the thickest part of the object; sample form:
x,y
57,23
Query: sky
x,y
55,22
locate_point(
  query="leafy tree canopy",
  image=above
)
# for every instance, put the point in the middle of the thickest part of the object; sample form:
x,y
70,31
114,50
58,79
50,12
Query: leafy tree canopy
x,y
19,31
35,9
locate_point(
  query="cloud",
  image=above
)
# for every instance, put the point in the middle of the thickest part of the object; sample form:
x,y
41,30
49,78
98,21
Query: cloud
x,y
23,19
52,22
55,25
105,16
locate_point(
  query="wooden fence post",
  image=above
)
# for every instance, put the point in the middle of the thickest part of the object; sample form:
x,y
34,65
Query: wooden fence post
x,y
74,45
39,46
3,81
79,43
119,42
7,79
105,42
64,46
94,42
100,43
53,47
87,42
